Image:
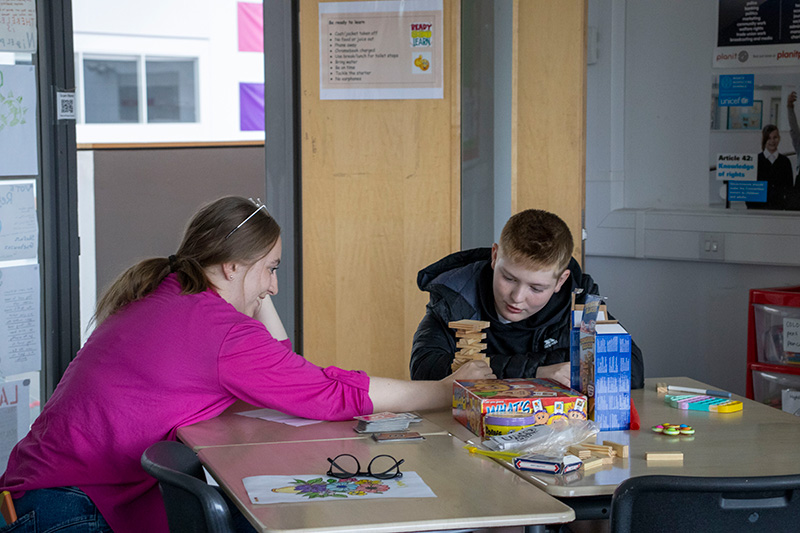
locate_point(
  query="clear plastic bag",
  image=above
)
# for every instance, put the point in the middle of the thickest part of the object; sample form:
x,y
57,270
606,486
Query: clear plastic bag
x,y
551,439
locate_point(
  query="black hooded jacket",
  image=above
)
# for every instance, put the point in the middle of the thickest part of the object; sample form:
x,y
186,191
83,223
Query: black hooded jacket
x,y
461,287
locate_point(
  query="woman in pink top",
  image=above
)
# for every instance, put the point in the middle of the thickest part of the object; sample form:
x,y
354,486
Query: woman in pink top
x,y
179,340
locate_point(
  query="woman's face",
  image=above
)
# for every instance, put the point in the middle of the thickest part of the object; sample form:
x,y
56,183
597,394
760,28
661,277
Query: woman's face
x,y
773,141
260,280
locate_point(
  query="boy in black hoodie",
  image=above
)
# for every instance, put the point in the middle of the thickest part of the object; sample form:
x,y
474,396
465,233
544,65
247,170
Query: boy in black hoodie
x,y
523,287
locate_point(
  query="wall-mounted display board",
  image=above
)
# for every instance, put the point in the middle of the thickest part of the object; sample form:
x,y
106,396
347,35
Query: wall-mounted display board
x,y
758,33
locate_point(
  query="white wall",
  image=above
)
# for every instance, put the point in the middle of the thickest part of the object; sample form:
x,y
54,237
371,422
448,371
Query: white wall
x,y
203,29
649,198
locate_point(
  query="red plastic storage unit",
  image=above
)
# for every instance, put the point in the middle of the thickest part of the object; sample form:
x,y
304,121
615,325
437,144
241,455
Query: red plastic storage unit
x,y
773,346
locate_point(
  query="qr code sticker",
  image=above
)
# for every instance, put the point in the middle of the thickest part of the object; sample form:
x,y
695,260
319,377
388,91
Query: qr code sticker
x,y
66,106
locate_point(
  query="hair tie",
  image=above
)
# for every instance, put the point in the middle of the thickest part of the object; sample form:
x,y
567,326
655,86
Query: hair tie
x,y
173,263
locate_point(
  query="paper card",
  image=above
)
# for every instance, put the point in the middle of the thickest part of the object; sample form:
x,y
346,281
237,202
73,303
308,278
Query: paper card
x,y
314,487
20,309
791,335
19,230
18,138
271,415
14,415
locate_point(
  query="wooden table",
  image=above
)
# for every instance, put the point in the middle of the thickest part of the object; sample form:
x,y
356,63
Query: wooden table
x,y
757,441
472,491
230,428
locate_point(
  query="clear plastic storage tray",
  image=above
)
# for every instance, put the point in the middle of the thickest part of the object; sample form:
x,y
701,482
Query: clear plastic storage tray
x,y
768,387
769,321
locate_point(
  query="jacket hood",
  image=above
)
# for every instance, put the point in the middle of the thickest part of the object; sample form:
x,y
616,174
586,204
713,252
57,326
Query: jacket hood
x,y
454,283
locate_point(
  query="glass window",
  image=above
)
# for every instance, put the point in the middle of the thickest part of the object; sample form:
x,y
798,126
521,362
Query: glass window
x,y
170,90
111,89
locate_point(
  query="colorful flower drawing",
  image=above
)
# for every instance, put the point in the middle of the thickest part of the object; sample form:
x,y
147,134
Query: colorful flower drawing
x,y
334,488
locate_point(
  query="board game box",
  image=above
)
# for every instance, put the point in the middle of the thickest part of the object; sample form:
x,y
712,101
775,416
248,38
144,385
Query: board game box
x,y
547,400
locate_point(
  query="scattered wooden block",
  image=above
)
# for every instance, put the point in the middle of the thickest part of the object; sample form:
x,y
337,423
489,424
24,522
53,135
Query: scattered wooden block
x,y
661,388
621,449
664,456
580,452
592,463
608,460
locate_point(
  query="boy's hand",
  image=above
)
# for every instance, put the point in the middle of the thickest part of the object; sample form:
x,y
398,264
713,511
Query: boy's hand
x,y
791,99
559,372
472,370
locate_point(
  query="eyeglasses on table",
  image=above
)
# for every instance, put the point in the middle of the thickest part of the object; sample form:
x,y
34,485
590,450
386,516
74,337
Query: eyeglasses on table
x,y
380,467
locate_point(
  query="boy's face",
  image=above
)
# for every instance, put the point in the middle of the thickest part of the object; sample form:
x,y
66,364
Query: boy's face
x,y
520,292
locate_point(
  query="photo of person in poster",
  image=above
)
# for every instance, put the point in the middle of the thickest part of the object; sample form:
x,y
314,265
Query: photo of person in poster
x,y
775,169
793,195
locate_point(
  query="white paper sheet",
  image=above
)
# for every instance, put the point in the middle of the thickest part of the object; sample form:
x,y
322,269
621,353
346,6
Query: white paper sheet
x,y
313,487
272,415
18,140
19,230
14,415
18,26
20,338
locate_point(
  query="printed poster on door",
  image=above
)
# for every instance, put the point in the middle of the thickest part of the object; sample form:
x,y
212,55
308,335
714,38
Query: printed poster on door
x,y
381,50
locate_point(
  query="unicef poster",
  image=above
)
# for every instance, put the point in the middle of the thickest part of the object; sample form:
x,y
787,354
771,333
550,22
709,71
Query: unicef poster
x,y
755,136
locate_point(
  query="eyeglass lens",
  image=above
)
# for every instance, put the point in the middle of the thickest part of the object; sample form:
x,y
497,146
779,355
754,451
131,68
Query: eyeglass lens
x,y
380,467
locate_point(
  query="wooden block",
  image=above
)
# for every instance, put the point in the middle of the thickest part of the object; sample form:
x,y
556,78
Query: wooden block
x,y
664,456
466,324
476,345
599,449
579,451
608,460
661,388
621,449
592,463
472,336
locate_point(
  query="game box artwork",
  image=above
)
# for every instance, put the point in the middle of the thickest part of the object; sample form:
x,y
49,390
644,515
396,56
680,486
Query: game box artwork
x,y
546,400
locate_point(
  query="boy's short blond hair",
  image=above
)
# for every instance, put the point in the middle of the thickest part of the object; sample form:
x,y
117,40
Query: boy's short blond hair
x,y
537,240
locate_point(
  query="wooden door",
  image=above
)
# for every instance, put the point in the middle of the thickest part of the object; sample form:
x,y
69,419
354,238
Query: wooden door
x,y
381,183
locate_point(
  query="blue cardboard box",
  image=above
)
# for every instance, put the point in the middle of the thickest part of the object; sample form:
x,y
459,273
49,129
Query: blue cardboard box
x,y
600,365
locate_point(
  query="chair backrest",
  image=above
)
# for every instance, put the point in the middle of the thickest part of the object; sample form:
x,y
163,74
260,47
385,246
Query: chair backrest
x,y
708,504
193,506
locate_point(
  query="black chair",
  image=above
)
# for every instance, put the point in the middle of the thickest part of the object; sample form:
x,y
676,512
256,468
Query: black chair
x,y
708,504
193,506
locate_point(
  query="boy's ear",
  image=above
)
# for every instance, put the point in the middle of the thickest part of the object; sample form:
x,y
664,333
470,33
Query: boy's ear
x,y
495,247
562,279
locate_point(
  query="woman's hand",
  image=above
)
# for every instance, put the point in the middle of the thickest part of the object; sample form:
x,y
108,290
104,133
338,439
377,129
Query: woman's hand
x,y
401,395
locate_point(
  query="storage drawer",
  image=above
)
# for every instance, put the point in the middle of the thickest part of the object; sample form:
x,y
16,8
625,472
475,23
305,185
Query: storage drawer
x,y
768,387
771,322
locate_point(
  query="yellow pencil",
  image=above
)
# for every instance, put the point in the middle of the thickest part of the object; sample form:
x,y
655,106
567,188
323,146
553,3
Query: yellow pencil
x,y
499,455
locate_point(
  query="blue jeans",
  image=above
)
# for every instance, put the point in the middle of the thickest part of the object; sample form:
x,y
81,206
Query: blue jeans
x,y
61,509
69,510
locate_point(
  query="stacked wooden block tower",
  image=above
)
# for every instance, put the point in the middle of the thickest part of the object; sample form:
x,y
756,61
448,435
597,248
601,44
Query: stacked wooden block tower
x,y
469,334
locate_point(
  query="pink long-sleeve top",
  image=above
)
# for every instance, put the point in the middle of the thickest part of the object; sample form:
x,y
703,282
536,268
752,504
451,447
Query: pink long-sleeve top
x,y
158,364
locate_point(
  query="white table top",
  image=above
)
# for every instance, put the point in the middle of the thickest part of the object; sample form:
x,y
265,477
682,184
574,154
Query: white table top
x,y
757,441
230,428
472,491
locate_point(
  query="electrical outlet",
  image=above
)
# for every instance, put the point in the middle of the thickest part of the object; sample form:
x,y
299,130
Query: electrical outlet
x,y
712,246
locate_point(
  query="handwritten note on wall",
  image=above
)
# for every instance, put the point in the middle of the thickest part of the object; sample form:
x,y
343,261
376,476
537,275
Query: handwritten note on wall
x,y
19,230
18,140
20,303
15,416
18,26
